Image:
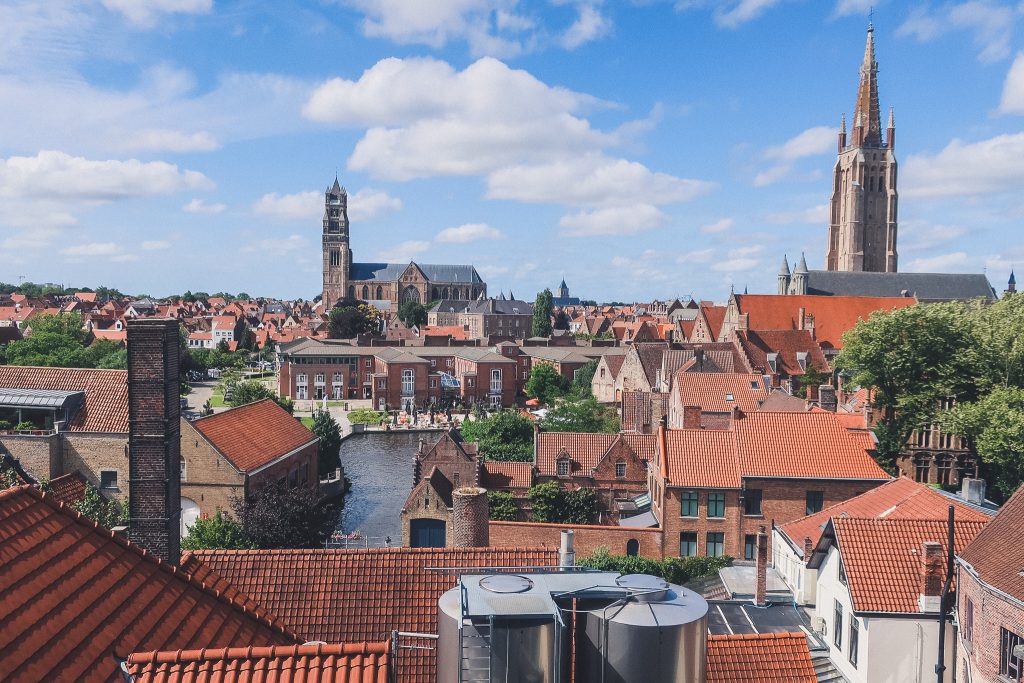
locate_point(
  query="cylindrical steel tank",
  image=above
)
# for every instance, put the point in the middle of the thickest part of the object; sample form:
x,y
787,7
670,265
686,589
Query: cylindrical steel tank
x,y
657,635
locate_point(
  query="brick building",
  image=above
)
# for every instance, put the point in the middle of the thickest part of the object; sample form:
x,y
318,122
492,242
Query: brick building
x,y
485,318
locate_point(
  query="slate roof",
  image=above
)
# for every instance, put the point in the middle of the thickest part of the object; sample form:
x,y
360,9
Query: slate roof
x,y
74,595
360,662
358,595
586,449
389,272
254,435
649,355
106,393
929,287
997,553
711,390
759,658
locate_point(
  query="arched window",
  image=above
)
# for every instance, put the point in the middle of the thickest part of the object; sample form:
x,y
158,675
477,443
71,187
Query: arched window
x,y
447,294
410,293
434,294
380,293
366,292
351,291
632,547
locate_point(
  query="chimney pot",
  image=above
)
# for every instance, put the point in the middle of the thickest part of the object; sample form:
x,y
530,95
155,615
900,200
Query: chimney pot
x,y
761,589
932,575
808,548
567,549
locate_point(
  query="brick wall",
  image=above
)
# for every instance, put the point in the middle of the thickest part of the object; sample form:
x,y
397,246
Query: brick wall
x,y
991,613
284,469
38,455
424,503
587,538
210,480
90,453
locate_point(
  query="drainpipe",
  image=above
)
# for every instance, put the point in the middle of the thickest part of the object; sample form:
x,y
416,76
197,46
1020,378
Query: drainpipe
x,y
940,664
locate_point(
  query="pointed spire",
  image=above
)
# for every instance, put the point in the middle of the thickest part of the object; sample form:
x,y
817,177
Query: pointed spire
x,y
867,94
511,296
1013,278
802,268
784,270
892,119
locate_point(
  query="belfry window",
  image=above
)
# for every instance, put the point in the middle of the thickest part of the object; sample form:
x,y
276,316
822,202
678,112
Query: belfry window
x,y
335,257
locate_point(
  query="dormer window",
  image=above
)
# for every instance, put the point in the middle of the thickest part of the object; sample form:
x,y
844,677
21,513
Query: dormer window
x,y
563,468
773,361
801,358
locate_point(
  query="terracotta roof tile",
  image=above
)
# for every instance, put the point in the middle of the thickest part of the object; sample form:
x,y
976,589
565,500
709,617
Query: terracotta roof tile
x,y
714,316
73,595
712,390
760,658
882,558
997,554
787,343
106,393
68,489
253,435
362,662
358,595
702,458
585,449
503,475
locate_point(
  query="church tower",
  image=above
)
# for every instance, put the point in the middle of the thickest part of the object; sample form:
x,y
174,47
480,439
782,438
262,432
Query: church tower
x,y
862,230
337,254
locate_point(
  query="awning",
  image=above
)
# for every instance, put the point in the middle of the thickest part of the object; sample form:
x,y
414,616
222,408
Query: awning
x,y
641,521
36,398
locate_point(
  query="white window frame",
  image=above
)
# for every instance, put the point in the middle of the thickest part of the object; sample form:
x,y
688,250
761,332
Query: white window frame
x,y
408,382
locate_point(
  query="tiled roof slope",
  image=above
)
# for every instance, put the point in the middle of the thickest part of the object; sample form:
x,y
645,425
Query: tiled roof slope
x,y
710,390
343,663
702,458
899,498
997,554
586,449
68,488
74,595
358,595
106,393
714,316
787,343
507,474
811,445
253,435
759,658
882,558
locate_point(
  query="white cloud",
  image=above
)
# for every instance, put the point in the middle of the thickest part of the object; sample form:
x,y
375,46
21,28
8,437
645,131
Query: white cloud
x,y
274,245
201,207
735,265
721,225
990,24
470,232
813,215
730,13
100,251
698,256
847,7
158,140
155,245
491,271
811,142
615,220
367,204
300,206
967,169
53,174
1012,101
145,13
918,235
935,264
589,25
403,251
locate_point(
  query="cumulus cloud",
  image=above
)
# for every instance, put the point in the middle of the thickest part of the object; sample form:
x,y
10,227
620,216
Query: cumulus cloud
x,y
367,204
813,215
160,139
403,251
721,225
967,168
919,235
811,142
936,264
145,13
96,251
300,206
990,24
615,220
274,245
201,207
589,25
730,13
1012,101
155,245
470,232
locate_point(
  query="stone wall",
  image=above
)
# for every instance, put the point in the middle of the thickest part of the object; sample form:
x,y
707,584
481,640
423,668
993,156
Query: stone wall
x,y
91,453
210,480
38,455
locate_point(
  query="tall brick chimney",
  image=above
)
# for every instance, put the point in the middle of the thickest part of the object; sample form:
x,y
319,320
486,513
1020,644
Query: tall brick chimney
x,y
808,548
761,587
827,398
470,514
154,439
932,576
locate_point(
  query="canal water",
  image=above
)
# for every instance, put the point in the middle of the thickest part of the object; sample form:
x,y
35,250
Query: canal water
x,y
380,466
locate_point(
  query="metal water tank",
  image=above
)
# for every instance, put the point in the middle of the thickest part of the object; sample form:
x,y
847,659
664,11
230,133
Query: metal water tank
x,y
656,634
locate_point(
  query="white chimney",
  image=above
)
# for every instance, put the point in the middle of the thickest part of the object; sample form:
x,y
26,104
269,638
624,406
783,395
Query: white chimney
x,y
567,552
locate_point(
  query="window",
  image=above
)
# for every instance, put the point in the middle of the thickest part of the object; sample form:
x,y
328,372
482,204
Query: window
x,y
495,381
750,547
369,363
729,397
716,544
837,625
854,640
620,470
381,384
922,468
716,505
969,620
688,544
108,479
470,382
181,469
408,381
319,379
688,504
301,379
433,382
842,571
563,468
815,501
293,477
1010,665
433,362
752,502
632,547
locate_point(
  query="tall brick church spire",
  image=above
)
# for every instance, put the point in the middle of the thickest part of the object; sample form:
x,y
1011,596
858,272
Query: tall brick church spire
x,y
867,95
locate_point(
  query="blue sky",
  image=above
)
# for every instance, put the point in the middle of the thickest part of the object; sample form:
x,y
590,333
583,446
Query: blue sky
x,y
638,149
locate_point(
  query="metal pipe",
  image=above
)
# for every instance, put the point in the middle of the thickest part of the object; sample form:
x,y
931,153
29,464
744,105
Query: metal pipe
x,y
940,664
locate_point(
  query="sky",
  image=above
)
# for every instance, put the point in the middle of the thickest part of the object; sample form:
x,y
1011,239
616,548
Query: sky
x,y
640,149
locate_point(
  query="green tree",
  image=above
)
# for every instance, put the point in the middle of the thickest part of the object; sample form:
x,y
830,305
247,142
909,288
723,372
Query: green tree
x,y
911,358
561,321
216,533
349,318
412,314
545,383
505,435
554,505
994,429
280,517
581,415
677,570
545,500
243,393
999,338
106,513
502,506
223,346
579,506
542,308
327,429
583,379
812,377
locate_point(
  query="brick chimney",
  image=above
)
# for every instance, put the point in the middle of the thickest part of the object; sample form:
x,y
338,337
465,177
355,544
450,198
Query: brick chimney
x,y
761,588
470,515
154,439
827,398
698,357
808,548
691,417
932,575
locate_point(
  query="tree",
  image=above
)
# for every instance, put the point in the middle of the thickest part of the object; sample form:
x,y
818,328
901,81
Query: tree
x,y
812,377
994,429
244,393
216,533
412,314
554,505
106,513
581,415
561,321
545,500
223,346
911,358
545,383
502,506
677,570
579,506
327,429
280,517
542,308
349,318
505,435
583,380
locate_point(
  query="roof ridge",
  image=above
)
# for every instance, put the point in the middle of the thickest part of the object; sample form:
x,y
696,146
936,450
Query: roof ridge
x,y
261,651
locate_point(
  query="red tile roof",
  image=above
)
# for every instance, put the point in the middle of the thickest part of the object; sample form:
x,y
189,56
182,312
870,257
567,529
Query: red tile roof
x,y
106,393
361,662
833,315
787,343
714,316
501,475
585,449
74,595
760,658
899,498
997,554
882,558
358,595
711,390
253,435
68,489
702,458
614,363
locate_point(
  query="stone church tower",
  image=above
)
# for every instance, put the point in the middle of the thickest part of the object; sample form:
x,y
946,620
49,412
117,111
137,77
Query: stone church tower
x,y
862,230
337,254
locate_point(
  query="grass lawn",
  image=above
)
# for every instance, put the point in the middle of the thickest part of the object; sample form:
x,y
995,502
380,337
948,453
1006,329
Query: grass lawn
x,y
307,421
217,400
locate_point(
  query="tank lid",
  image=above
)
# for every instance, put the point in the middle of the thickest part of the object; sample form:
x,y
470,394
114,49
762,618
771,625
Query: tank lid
x,y
506,583
646,587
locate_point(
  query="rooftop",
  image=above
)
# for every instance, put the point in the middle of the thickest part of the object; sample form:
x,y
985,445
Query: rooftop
x,y
106,393
997,554
254,435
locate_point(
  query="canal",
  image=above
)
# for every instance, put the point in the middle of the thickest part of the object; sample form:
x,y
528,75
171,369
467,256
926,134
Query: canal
x,y
380,467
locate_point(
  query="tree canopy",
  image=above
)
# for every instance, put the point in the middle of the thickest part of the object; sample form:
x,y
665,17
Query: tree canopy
x,y
277,516
505,435
412,314
545,383
219,532
250,391
575,414
327,429
60,341
350,317
542,308
552,504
